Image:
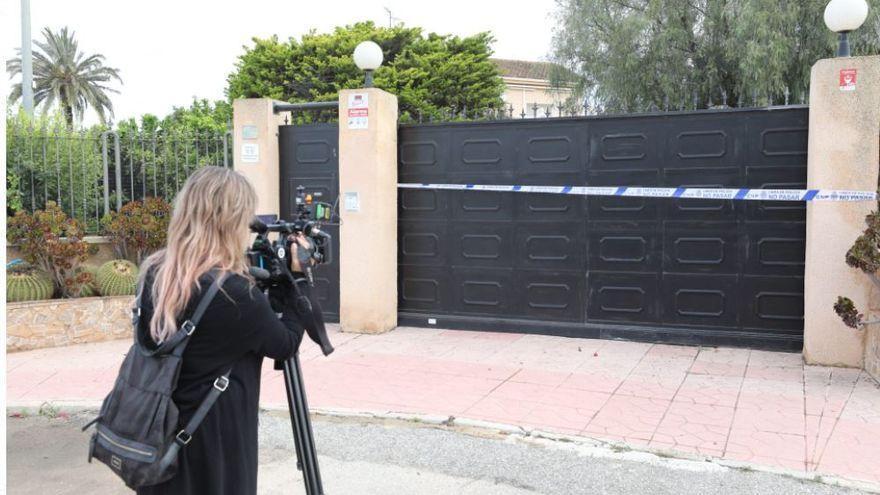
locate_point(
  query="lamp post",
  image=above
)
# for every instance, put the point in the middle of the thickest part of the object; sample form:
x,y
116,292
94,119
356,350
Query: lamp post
x,y
843,16
27,67
368,57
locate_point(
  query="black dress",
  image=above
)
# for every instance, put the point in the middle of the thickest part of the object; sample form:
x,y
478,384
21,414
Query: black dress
x,y
238,330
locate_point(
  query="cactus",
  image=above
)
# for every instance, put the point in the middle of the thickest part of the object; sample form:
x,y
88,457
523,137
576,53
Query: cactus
x,y
26,283
117,278
89,288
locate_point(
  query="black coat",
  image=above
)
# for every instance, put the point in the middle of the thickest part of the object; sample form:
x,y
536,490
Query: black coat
x,y
238,330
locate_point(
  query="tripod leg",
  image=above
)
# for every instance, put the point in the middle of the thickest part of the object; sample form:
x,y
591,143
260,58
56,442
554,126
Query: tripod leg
x,y
309,434
295,408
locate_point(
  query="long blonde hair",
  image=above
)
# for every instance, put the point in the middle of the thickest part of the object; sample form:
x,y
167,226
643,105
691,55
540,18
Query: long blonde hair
x,y
208,229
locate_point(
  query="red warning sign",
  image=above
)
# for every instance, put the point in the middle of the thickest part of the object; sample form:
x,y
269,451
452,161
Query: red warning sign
x,y
848,79
358,112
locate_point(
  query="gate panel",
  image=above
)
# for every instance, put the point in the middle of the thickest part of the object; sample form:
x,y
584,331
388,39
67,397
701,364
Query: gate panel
x,y
682,270
309,157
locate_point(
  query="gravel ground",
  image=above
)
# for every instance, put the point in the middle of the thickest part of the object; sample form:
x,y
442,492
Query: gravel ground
x,y
47,456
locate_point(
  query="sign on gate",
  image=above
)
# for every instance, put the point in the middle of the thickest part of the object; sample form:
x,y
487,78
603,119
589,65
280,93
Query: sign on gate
x,y
358,111
848,79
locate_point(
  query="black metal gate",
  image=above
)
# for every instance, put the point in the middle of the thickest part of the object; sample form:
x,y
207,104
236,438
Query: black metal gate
x,y
309,157
663,270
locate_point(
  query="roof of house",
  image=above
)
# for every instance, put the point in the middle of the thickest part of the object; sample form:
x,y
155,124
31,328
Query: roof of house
x,y
523,68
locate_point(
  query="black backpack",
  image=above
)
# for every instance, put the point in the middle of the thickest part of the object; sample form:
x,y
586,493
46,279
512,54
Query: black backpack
x,y
136,431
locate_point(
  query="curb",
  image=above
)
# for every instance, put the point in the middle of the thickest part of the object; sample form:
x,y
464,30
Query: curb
x,y
584,446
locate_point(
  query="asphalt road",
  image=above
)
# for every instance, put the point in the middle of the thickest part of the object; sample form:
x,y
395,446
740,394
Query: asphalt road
x,y
47,456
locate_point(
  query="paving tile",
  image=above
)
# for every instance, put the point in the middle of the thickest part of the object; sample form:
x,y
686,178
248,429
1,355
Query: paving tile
x,y
543,377
775,449
852,451
715,390
629,417
770,421
598,381
788,374
696,426
770,358
650,386
700,367
723,355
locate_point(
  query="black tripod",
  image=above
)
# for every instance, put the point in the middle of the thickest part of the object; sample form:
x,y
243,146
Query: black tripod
x,y
303,439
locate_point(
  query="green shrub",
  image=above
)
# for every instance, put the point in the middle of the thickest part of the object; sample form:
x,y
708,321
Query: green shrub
x,y
53,242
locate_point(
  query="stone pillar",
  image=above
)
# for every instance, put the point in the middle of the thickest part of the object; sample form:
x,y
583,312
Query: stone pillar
x,y
368,207
844,147
255,150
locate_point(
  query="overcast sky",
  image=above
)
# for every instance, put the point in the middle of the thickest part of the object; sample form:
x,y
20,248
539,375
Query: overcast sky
x,y
171,50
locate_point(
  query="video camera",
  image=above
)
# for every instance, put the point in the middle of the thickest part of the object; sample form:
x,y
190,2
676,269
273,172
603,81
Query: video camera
x,y
272,268
273,256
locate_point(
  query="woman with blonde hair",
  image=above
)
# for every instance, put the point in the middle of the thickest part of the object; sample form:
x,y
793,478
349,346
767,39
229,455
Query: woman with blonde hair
x,y
208,234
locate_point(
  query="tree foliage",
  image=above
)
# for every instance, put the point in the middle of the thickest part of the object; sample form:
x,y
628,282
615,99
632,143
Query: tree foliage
x,y
64,74
429,73
631,54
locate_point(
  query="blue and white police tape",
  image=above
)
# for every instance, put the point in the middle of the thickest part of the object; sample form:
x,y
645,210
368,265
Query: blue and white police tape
x,y
667,192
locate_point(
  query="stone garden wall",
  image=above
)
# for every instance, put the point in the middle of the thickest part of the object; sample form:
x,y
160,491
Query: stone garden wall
x,y
58,322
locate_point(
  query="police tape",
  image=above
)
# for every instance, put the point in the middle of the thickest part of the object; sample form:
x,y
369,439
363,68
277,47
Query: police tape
x,y
666,192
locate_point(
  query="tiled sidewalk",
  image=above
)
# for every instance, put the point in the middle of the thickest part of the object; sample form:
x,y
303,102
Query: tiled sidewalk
x,y
762,407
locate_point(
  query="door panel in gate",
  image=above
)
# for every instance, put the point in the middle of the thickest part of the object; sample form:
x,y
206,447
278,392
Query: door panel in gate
x,y
701,209
549,295
775,248
624,246
700,300
422,242
623,297
619,208
484,291
483,244
704,141
425,289
772,304
625,143
423,204
701,247
550,245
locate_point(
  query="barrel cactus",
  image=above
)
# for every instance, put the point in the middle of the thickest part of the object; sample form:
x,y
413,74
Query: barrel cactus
x,y
117,278
26,283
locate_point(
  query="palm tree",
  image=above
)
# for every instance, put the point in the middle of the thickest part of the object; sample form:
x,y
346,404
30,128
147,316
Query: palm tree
x,y
64,74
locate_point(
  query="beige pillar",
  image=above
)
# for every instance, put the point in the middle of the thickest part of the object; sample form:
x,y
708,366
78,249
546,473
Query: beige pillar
x,y
844,147
255,150
368,207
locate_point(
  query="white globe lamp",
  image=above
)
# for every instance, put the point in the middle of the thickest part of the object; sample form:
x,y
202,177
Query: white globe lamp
x,y
843,16
368,57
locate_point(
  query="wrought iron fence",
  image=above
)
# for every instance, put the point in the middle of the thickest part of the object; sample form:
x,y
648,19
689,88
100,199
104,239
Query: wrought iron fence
x,y
588,108
89,174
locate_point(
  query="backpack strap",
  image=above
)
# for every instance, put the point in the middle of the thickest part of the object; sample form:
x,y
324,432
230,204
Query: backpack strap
x,y
184,436
189,326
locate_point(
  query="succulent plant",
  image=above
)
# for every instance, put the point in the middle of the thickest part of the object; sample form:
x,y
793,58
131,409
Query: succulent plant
x,y
26,283
88,275
117,278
